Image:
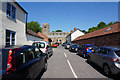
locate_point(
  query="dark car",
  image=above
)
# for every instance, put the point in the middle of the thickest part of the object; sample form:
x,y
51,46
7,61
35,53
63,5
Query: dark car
x,y
108,58
85,49
74,47
22,63
67,45
63,44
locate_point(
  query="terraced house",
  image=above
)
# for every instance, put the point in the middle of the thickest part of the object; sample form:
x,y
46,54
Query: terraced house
x,y
13,24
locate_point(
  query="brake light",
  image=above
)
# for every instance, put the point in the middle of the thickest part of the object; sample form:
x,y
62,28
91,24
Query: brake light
x,y
87,49
116,60
46,49
11,61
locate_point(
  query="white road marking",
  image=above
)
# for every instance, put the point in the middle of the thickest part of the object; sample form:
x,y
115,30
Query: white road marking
x,y
72,69
65,55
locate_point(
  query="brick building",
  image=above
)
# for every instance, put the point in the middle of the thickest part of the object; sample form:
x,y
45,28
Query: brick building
x,y
107,36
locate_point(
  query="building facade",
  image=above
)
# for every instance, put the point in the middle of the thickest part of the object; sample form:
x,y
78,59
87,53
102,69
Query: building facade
x,y
13,24
59,37
76,33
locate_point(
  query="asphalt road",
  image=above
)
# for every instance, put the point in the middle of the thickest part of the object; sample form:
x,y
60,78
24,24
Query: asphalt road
x,y
65,64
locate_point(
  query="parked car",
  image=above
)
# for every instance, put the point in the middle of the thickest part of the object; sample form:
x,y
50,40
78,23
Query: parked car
x,y
108,58
54,45
85,49
44,47
57,43
74,47
63,44
22,63
67,45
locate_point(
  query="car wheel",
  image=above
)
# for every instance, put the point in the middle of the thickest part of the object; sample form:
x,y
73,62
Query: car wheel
x,y
106,70
89,59
84,55
45,66
48,56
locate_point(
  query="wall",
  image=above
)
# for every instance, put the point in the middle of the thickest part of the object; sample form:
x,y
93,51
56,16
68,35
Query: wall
x,y
68,38
17,25
76,34
106,40
31,39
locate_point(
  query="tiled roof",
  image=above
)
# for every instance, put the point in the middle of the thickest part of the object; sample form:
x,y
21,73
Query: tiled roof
x,y
106,30
30,32
43,36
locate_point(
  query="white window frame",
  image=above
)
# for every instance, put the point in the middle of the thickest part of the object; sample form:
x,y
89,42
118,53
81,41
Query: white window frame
x,y
11,37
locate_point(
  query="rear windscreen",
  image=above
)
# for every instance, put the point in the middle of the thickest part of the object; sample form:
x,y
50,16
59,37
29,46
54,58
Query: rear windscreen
x,y
118,53
75,45
40,45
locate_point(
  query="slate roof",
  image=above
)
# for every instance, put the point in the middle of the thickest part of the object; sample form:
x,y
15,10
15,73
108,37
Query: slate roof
x,y
30,32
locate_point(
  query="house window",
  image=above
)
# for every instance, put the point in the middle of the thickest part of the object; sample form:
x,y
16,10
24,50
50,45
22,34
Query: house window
x,y
10,38
11,10
53,33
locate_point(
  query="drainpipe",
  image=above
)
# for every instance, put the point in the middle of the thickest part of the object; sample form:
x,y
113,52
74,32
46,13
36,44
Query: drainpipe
x,y
26,21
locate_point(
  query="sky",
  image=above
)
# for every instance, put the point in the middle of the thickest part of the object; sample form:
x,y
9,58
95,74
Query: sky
x,y
66,16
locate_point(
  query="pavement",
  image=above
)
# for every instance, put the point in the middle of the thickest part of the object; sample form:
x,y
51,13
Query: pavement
x,y
65,64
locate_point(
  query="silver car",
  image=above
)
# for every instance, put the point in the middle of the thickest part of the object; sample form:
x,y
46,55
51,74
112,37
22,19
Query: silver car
x,y
108,58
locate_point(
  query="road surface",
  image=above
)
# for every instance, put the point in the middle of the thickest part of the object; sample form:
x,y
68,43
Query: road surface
x,y
65,64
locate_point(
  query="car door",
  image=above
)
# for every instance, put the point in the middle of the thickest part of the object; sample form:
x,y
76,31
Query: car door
x,y
94,55
22,68
30,64
101,55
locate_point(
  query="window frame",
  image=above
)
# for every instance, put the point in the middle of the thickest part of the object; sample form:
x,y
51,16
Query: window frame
x,y
11,11
10,37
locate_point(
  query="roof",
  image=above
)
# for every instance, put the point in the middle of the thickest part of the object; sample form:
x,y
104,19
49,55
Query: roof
x,y
73,32
21,8
104,31
30,32
42,35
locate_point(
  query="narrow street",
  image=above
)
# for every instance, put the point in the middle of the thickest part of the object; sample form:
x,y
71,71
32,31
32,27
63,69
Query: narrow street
x,y
65,64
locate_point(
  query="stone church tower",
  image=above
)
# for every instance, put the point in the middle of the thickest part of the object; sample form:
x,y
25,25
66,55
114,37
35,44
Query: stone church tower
x,y
59,37
45,29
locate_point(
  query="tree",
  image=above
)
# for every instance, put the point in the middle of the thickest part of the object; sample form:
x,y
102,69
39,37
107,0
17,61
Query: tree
x,y
101,24
34,26
58,30
53,31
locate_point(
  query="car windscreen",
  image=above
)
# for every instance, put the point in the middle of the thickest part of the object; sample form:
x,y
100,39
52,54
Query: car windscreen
x,y
75,45
40,45
118,53
68,43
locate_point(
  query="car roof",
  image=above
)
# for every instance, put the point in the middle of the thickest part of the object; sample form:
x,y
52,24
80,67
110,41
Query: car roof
x,y
111,48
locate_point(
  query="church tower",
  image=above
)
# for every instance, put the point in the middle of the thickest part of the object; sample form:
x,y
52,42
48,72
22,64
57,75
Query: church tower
x,y
45,29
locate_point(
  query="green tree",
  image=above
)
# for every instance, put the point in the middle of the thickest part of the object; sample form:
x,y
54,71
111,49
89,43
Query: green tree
x,y
34,26
101,24
53,31
111,23
58,30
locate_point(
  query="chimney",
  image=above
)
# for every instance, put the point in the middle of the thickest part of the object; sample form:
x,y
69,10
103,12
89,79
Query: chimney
x,y
75,29
71,31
